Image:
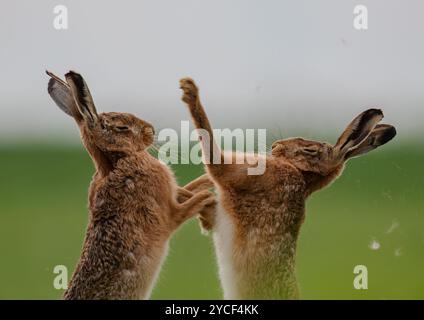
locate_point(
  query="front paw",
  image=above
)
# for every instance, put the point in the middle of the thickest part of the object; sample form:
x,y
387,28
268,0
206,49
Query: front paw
x,y
207,213
190,90
206,198
207,218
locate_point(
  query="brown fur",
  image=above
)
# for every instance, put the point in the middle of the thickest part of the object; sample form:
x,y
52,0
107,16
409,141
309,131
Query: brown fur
x,y
257,224
132,200
207,214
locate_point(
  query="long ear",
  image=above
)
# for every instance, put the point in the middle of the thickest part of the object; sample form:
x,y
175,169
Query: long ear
x,y
382,134
61,94
357,131
82,96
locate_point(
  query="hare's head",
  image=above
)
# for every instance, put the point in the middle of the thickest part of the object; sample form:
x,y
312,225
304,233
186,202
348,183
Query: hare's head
x,y
318,161
113,134
122,132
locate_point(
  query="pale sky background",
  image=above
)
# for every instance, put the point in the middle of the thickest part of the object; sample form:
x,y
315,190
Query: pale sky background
x,y
295,66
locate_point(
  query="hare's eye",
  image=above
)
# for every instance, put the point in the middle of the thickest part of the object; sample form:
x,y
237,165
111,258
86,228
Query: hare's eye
x,y
122,128
310,151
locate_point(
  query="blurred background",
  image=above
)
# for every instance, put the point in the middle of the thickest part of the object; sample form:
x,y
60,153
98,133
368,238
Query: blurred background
x,y
292,67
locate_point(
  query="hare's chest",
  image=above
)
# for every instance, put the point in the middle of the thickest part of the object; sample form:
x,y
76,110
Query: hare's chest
x,y
223,236
116,190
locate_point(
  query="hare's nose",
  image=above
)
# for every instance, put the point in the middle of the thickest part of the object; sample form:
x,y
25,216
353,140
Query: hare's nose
x,y
149,130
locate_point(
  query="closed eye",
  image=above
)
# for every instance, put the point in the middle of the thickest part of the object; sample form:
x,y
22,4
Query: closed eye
x,y
122,128
310,151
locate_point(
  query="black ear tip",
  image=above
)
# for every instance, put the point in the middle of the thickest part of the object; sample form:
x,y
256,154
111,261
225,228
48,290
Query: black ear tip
x,y
389,134
76,78
73,75
374,112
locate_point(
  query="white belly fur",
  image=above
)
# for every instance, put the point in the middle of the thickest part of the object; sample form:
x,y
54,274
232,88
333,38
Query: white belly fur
x,y
223,236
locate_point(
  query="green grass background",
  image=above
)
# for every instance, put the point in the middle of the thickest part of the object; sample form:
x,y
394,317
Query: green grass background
x,y
43,214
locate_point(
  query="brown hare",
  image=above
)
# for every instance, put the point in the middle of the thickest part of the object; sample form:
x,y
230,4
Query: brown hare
x,y
132,200
258,218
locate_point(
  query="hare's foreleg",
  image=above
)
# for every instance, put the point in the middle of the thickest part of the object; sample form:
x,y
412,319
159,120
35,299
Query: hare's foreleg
x,y
211,151
201,183
203,201
207,214
183,194
222,168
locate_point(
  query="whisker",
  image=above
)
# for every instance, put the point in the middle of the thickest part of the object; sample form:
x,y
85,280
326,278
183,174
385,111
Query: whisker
x,y
174,157
155,147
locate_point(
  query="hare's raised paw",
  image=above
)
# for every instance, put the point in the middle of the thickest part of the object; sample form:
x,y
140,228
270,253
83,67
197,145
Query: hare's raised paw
x,y
190,90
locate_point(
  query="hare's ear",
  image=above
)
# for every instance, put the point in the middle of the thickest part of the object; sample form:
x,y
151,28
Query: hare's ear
x,y
381,134
82,96
357,131
61,94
